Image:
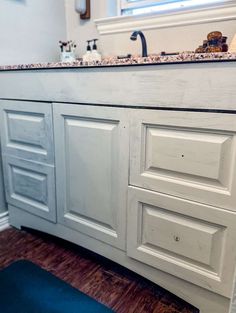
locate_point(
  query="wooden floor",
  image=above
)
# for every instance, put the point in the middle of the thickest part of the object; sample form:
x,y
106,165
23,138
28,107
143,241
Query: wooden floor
x,y
116,287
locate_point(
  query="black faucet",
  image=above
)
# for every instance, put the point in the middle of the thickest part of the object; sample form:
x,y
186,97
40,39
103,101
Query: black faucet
x,y
143,39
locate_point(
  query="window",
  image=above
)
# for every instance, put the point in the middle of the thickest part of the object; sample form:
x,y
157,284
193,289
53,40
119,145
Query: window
x,y
133,7
158,14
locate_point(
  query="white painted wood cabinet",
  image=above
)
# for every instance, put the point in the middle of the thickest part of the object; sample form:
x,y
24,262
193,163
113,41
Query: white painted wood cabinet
x,y
28,156
185,238
2,191
152,190
191,155
27,130
30,186
92,149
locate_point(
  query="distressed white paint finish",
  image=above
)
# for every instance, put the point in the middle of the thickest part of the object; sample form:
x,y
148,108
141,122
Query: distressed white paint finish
x,y
203,299
233,298
184,238
3,206
187,154
180,150
92,170
205,86
30,186
4,221
26,129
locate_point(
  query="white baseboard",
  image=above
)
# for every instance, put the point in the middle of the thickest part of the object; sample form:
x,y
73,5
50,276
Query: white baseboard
x,y
4,221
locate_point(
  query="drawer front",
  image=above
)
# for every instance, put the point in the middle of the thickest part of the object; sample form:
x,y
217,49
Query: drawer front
x,y
189,240
30,186
26,129
190,155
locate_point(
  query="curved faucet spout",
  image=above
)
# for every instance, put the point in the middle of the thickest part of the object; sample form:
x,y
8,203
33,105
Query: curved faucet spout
x,y
143,40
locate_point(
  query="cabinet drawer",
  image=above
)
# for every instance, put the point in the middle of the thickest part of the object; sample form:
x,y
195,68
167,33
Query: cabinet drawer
x,y
186,239
186,154
30,186
26,130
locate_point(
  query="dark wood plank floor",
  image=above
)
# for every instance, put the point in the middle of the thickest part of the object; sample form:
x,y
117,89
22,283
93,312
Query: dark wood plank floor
x,y
107,282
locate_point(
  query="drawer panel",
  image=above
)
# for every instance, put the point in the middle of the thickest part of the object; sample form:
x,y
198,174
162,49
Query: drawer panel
x,y
193,154
189,240
27,130
190,155
30,186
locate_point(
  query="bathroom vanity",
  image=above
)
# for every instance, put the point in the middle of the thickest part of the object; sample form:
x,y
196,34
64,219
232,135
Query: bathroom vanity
x,y
136,163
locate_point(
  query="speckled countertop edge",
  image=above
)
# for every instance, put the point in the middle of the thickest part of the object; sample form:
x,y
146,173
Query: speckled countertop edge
x,y
112,61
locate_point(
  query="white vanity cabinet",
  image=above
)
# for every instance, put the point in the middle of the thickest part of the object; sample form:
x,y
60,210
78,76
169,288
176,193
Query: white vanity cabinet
x,y
28,156
143,175
153,189
92,149
182,195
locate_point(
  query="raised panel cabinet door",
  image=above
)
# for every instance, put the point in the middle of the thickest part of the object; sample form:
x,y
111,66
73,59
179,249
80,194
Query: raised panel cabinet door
x,y
30,186
26,130
92,146
187,154
192,241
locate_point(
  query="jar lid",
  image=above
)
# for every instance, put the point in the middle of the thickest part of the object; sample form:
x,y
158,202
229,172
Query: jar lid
x,y
214,35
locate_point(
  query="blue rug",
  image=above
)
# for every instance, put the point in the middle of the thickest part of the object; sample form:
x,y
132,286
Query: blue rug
x,y
26,288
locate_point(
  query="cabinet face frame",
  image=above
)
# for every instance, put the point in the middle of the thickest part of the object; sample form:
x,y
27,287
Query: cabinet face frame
x,y
92,123
20,175
198,182
27,130
214,224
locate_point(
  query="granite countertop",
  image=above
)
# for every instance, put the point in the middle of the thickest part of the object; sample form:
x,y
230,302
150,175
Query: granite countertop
x,y
156,59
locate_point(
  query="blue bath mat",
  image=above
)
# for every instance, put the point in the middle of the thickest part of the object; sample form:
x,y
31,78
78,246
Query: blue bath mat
x,y
26,288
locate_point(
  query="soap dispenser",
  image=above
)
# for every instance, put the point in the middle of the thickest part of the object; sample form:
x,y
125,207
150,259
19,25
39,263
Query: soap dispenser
x,y
95,56
88,54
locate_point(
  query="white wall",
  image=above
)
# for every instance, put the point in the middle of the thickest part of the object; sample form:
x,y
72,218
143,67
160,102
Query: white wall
x,y
181,38
30,30
82,30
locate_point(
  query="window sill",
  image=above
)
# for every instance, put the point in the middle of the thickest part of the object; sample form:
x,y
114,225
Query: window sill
x,y
121,24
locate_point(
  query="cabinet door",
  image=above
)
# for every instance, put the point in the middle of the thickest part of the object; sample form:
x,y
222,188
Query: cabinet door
x,y
26,130
2,195
187,239
92,170
30,186
187,154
